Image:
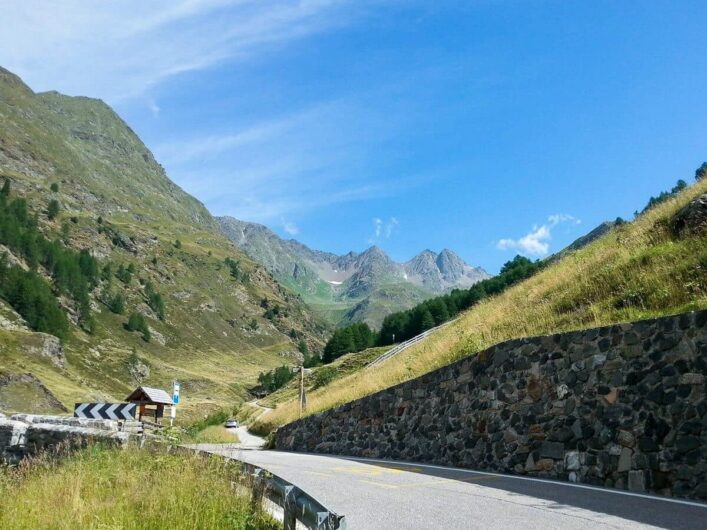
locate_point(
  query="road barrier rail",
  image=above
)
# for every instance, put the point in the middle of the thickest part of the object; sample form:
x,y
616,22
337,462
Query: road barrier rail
x,y
297,504
405,345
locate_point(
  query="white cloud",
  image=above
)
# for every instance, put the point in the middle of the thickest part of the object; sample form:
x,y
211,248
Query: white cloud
x,y
272,169
154,107
390,227
383,229
378,224
537,241
264,170
119,50
290,227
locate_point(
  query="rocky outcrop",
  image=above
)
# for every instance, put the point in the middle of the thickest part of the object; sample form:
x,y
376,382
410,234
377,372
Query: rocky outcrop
x,y
45,398
48,347
620,406
692,219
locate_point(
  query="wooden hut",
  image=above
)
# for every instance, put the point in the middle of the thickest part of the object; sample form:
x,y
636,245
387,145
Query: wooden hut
x,y
150,402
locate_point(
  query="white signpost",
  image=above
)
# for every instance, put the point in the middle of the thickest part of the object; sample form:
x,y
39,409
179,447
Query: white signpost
x,y
175,402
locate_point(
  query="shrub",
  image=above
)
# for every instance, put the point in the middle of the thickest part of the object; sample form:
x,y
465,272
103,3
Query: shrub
x,y
54,187
324,375
137,322
302,347
236,272
154,300
310,361
276,378
273,312
53,209
124,274
116,303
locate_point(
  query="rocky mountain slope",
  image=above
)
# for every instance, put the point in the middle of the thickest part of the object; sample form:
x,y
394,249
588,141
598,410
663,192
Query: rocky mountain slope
x,y
224,318
362,286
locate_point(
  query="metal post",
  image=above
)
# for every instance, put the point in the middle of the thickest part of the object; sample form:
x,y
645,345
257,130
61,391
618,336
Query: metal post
x,y
256,501
290,508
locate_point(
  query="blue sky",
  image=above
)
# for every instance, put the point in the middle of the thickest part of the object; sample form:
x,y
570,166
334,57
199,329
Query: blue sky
x,y
490,127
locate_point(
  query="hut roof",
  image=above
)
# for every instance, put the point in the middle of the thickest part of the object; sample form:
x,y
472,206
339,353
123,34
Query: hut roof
x,y
150,395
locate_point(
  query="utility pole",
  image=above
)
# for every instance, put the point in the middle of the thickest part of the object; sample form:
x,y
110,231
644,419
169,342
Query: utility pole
x,y
302,397
302,393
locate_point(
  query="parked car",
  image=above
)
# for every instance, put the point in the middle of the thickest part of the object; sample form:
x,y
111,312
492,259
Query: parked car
x,y
231,423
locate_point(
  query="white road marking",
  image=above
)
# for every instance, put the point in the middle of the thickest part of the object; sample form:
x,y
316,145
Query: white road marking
x,y
533,479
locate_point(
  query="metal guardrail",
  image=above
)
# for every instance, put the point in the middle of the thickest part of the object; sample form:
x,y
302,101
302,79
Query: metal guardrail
x,y
297,504
405,345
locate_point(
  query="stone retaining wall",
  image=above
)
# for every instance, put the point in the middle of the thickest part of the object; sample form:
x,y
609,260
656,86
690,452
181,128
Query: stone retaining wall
x,y
620,406
26,435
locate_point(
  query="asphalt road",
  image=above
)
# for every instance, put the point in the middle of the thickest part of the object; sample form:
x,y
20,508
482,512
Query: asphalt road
x,y
245,439
377,495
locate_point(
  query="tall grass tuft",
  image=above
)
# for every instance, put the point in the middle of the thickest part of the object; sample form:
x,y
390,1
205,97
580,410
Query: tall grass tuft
x,y
133,489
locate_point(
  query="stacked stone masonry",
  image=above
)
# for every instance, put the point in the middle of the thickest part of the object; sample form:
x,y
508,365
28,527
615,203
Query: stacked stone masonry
x,y
621,406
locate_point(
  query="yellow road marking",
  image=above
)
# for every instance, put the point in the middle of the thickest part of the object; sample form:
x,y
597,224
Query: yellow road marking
x,y
366,471
318,473
379,484
410,469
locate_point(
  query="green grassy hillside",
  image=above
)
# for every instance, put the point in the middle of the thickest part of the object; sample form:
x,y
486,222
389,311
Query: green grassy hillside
x,y
222,325
637,270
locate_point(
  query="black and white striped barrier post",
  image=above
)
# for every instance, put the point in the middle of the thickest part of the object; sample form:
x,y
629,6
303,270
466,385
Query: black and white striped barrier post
x,y
105,411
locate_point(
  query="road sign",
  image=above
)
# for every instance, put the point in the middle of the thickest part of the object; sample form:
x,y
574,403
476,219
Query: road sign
x,y
175,393
105,411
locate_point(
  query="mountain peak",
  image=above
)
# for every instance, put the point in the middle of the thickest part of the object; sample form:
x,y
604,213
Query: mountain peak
x,y
374,250
368,284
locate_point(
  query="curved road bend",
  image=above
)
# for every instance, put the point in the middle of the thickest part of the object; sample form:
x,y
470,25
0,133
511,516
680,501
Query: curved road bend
x,y
381,495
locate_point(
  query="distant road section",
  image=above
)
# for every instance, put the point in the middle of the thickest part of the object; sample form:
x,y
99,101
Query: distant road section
x,y
247,440
378,495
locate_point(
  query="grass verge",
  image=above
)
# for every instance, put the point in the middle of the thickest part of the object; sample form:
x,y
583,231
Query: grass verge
x,y
133,489
214,434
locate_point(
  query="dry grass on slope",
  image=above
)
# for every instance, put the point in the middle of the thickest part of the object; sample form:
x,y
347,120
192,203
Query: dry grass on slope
x,y
639,270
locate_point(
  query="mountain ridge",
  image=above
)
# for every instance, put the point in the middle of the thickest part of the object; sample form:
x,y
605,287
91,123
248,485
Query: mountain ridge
x,y
221,318
362,285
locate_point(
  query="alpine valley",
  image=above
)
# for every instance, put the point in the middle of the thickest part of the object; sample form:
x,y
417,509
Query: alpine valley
x,y
355,287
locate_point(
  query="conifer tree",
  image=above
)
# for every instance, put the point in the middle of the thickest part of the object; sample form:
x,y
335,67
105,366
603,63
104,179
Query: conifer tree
x,y
53,209
5,192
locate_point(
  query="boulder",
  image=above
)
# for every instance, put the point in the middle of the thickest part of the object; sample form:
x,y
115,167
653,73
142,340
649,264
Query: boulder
x,y
692,218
